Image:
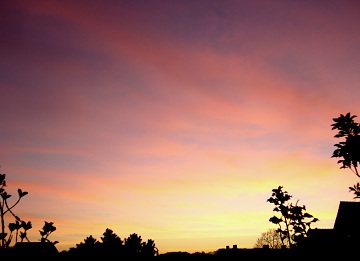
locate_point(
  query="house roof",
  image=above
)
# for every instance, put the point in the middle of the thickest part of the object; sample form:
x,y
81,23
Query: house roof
x,y
347,218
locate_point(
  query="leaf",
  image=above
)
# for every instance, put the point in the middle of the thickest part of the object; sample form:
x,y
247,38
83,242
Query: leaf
x,y
275,220
28,225
21,193
22,235
12,227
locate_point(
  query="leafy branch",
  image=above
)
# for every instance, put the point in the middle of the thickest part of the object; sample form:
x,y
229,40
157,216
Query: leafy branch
x,y
293,222
348,150
20,227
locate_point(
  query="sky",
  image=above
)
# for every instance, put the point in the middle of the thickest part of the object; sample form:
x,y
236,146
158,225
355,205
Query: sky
x,y
174,119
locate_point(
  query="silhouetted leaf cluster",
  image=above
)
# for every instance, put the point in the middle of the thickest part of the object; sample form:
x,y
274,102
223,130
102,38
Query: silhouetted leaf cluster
x,y
356,190
47,229
348,150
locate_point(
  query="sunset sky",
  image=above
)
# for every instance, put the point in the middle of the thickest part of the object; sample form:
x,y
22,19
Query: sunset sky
x,y
174,119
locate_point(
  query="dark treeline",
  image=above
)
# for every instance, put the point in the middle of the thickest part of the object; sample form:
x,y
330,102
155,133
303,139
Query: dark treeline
x,y
112,246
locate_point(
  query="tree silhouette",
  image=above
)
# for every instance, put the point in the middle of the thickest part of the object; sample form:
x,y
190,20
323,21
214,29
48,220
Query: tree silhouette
x,y
89,244
271,238
133,245
348,150
294,222
90,241
89,249
112,247
111,243
149,249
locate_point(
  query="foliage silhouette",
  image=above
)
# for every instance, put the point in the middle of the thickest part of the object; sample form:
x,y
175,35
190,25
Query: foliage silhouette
x,y
112,247
133,245
149,249
348,150
294,222
19,226
47,229
89,243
